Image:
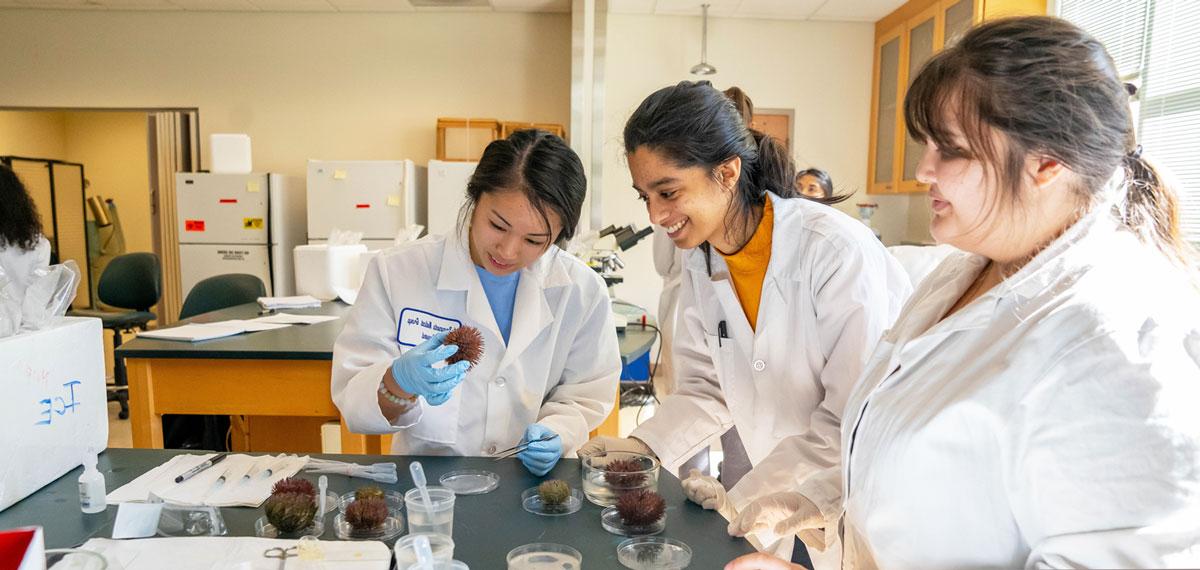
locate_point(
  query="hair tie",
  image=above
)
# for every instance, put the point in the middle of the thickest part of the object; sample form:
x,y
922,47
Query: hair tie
x,y
1136,153
1131,89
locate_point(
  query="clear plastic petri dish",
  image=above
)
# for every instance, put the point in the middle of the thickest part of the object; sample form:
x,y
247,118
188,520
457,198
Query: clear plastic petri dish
x,y
470,481
654,553
394,500
263,528
391,527
610,519
544,556
531,501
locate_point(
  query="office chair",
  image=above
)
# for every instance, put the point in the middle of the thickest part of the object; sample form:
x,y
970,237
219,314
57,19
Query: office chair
x,y
132,282
211,294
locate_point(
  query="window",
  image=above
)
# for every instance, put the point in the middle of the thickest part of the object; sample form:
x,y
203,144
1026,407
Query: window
x,y
1152,43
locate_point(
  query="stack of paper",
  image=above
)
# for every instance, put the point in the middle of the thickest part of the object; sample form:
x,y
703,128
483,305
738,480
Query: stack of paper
x,y
207,553
295,302
236,490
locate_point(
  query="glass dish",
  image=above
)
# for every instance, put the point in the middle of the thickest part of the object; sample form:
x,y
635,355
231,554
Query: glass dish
x,y
611,521
654,553
263,528
394,500
470,481
544,556
391,528
602,486
177,520
531,501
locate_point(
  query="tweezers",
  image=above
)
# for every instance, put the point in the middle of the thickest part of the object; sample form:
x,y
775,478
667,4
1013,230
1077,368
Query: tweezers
x,y
505,454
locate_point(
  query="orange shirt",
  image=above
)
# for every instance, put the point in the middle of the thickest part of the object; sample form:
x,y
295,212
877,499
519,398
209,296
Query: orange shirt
x,y
748,267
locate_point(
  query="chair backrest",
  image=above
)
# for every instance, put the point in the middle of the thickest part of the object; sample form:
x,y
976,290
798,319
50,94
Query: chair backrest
x,y
131,281
221,291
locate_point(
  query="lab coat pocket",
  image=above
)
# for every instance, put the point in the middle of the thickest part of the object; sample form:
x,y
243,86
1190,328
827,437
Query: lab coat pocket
x,y
439,424
724,354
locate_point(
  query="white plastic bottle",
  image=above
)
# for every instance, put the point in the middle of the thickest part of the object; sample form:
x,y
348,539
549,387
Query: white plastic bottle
x,y
91,486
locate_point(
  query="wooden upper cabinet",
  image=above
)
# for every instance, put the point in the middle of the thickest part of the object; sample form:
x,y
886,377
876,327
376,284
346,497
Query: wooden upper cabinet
x,y
904,41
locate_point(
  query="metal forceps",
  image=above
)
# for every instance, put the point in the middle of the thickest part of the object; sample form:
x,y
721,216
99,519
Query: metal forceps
x,y
282,554
505,454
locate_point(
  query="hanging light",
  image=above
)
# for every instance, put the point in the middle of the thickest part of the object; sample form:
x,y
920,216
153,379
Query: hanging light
x,y
703,68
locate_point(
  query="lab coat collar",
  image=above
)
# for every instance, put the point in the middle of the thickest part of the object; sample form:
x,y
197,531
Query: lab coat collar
x,y
531,311
787,216
1076,250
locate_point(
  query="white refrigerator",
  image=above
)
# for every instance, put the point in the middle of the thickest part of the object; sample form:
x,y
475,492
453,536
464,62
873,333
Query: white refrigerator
x,y
376,197
447,193
239,223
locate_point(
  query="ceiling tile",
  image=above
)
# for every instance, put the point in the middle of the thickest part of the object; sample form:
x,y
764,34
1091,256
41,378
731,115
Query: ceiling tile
x,y
856,10
631,6
785,9
718,8
532,5
371,5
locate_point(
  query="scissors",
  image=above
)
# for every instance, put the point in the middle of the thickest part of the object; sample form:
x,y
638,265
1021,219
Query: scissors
x,y
282,554
505,454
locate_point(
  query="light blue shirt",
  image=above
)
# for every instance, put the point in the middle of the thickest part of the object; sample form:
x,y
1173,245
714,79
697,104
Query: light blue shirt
x,y
501,293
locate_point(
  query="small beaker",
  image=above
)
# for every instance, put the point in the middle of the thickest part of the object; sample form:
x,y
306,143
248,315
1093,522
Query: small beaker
x,y
437,517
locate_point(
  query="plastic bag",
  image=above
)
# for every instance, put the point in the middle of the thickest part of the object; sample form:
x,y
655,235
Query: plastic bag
x,y
50,293
10,307
344,237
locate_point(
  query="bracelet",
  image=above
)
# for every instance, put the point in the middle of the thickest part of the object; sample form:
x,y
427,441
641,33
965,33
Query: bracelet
x,y
389,396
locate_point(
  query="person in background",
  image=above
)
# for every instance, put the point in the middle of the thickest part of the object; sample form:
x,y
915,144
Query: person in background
x,y
1034,405
781,298
550,365
814,183
23,248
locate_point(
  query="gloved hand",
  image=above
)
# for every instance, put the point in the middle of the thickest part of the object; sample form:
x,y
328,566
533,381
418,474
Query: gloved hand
x,y
415,374
785,514
539,458
604,444
704,491
760,561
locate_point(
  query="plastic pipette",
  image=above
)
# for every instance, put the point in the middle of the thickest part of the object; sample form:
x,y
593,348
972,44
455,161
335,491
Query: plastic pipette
x,y
424,552
322,485
418,476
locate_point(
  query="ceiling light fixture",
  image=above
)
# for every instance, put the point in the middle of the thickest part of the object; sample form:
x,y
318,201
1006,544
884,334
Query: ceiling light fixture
x,y
703,68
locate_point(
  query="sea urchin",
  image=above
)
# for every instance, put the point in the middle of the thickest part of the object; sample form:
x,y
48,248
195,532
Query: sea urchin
x,y
641,507
469,342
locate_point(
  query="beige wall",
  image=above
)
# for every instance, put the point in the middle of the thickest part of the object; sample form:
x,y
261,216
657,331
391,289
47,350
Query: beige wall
x,y
33,134
302,85
112,148
822,70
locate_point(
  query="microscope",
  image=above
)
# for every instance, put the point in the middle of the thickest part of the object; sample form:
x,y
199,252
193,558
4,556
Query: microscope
x,y
607,263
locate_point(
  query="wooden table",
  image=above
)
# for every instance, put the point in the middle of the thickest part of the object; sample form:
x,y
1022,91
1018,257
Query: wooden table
x,y
278,379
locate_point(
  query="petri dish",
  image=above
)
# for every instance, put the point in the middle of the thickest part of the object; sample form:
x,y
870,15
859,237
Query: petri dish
x,y
532,502
470,481
264,529
394,500
611,521
391,528
544,556
654,553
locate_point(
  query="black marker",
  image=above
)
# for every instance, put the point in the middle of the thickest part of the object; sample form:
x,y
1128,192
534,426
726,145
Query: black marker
x,y
201,467
721,333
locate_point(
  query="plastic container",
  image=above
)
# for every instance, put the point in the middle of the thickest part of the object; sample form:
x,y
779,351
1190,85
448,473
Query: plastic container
x,y
531,501
602,486
183,520
544,556
406,555
470,481
92,496
610,519
437,518
263,528
391,527
654,553
440,565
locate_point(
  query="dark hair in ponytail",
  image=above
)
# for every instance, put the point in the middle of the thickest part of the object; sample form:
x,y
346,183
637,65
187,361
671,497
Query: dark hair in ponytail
x,y
538,164
692,124
1052,90
20,226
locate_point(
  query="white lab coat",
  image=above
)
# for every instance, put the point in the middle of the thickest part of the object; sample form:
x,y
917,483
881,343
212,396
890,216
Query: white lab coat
x,y
1050,423
668,263
560,368
830,291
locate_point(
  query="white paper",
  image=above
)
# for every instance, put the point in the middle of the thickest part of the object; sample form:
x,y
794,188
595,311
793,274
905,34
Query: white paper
x,y
203,488
293,302
137,520
247,325
290,319
193,332
222,552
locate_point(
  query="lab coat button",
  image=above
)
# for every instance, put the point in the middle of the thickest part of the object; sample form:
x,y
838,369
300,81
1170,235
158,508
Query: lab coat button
x,y
491,449
759,365
499,381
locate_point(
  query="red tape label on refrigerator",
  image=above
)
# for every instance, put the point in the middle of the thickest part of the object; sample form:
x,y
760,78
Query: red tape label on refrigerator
x,y
193,225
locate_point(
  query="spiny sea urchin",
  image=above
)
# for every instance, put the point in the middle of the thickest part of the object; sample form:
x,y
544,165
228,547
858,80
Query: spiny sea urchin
x,y
641,507
294,485
554,492
624,473
469,342
366,515
290,512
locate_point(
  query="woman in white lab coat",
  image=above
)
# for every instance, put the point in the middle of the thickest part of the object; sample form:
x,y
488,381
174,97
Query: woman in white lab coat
x,y
1035,404
550,363
773,345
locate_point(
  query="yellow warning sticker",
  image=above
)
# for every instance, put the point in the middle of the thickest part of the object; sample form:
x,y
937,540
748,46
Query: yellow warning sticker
x,y
393,200
252,186
252,223
339,174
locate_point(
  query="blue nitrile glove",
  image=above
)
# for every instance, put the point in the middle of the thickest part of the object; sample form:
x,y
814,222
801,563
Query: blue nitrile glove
x,y
539,458
415,374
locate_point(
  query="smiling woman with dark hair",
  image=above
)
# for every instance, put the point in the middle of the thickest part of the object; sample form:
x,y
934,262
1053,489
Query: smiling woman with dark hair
x,y
546,373
23,248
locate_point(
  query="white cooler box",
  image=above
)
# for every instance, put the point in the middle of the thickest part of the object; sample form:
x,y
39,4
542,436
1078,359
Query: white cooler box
x,y
54,407
321,270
